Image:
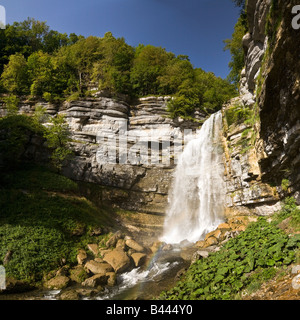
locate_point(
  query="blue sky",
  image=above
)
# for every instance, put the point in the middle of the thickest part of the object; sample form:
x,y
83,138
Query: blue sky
x,y
195,28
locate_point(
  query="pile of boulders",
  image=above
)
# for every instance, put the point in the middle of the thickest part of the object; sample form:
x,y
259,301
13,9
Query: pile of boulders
x,y
98,266
216,238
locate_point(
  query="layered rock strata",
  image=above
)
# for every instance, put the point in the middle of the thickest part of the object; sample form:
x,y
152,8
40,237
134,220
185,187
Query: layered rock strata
x,y
130,151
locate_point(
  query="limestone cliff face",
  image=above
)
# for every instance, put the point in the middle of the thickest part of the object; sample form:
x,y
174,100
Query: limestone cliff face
x,y
270,87
128,150
254,44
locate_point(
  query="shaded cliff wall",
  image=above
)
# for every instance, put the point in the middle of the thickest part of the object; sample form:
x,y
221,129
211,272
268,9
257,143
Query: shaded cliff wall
x,y
262,153
279,100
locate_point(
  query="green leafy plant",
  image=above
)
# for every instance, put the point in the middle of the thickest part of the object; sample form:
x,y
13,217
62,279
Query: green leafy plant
x,y
244,261
285,183
238,114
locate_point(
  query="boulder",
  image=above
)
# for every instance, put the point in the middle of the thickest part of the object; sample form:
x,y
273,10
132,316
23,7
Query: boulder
x,y
118,259
78,274
93,247
69,295
138,258
134,245
112,241
296,282
111,279
95,281
81,257
58,282
121,244
224,226
156,246
210,241
98,267
200,244
187,253
296,269
86,292
200,254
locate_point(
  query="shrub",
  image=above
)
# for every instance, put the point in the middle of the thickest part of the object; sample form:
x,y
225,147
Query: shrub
x,y
238,114
58,136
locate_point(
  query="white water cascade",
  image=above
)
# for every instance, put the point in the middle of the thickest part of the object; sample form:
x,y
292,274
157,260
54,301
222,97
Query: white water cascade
x,y
197,197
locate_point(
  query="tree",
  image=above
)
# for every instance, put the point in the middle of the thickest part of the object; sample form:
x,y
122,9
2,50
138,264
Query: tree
x,y
54,40
186,100
176,72
82,56
15,75
204,91
30,36
149,64
235,46
41,73
58,137
11,103
112,71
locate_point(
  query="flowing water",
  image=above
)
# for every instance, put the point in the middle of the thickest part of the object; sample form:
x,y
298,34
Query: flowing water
x,y
197,196
147,283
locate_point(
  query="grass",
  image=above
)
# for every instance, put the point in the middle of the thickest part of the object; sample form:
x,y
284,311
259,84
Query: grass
x,y
40,216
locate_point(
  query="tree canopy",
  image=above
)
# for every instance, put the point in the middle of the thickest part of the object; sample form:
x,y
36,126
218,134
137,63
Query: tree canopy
x,y
43,63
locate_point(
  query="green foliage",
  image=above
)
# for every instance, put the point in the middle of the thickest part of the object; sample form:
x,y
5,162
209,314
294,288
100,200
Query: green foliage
x,y
31,36
41,73
148,66
15,75
15,132
248,259
289,209
285,185
204,91
235,46
58,136
238,114
112,70
49,65
11,103
178,71
40,212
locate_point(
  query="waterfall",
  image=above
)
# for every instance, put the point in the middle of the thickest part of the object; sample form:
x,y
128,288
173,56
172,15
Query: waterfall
x,y
197,196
